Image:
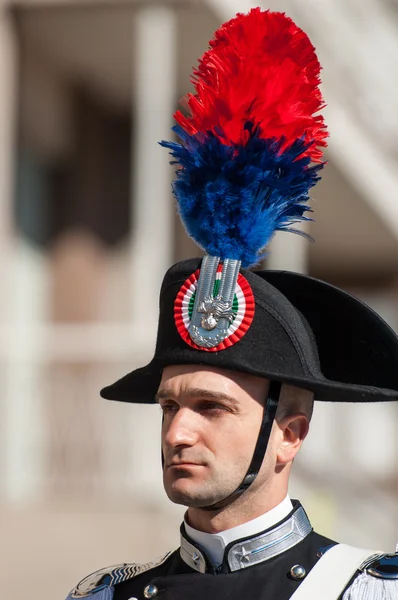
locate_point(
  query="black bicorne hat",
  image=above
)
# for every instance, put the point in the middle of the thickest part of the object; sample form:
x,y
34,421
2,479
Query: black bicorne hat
x,y
249,152
304,332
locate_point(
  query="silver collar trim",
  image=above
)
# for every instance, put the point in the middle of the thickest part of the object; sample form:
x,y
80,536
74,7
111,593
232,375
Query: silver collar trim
x,y
255,550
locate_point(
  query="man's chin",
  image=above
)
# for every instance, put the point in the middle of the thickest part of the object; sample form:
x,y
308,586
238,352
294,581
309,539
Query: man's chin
x,y
183,494
190,495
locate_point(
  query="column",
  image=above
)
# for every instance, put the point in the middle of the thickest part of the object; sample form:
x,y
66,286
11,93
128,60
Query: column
x,y
154,101
8,60
22,273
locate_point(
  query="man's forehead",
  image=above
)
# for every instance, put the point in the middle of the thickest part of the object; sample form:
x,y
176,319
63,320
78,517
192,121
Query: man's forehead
x,y
210,379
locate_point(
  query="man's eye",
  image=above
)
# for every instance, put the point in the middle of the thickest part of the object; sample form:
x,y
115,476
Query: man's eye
x,y
213,406
168,408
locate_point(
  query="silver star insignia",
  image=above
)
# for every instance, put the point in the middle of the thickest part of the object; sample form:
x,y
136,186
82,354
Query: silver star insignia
x,y
196,557
244,555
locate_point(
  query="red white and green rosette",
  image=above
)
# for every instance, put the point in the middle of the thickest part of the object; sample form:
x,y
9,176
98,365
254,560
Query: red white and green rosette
x,y
242,307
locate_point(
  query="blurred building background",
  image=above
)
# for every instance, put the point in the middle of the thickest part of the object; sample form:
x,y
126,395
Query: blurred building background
x,y
87,229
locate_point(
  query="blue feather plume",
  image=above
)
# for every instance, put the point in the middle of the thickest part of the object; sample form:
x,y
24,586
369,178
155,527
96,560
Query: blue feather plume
x,y
232,199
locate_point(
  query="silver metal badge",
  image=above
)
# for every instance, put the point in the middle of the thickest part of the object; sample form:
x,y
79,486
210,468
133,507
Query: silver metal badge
x,y
213,313
215,307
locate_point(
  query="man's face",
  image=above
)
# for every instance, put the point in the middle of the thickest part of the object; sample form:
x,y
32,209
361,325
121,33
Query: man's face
x,y
211,422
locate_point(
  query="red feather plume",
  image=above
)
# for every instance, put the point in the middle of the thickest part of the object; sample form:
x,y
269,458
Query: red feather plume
x,y
261,68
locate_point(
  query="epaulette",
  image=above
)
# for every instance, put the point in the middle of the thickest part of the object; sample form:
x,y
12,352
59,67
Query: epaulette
x,y
377,579
102,583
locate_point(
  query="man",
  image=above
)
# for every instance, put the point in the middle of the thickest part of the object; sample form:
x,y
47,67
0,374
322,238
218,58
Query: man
x,y
240,356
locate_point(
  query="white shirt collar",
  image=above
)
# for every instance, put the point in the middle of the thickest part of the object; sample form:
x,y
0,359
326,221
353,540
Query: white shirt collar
x,y
214,544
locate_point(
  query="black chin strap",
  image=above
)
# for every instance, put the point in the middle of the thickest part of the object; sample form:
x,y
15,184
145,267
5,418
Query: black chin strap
x,y
260,449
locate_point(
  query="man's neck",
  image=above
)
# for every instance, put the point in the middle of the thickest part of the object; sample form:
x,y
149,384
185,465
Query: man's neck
x,y
244,509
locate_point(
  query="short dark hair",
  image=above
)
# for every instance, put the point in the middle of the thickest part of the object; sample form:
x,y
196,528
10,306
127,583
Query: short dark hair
x,y
295,400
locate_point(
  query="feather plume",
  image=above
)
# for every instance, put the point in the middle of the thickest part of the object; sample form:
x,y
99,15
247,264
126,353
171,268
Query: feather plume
x,y
247,147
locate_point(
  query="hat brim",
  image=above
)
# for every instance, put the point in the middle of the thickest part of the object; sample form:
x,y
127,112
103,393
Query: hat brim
x,y
141,385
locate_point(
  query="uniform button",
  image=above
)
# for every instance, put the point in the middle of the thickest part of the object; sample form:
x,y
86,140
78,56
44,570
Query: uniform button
x,y
150,591
298,572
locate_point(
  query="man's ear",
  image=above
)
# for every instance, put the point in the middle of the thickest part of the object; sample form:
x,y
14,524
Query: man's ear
x,y
293,431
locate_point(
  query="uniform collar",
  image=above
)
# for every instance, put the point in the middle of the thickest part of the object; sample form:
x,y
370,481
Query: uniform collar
x,y
214,544
246,545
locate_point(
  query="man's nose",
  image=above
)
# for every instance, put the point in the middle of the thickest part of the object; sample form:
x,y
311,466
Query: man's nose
x,y
181,430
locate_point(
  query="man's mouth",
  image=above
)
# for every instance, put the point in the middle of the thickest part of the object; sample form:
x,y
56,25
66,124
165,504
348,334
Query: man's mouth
x,y
183,463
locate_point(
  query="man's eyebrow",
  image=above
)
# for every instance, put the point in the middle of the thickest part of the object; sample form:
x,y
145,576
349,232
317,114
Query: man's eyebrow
x,y
164,393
